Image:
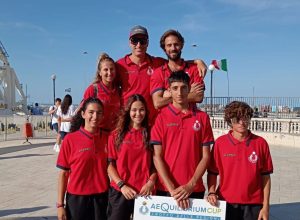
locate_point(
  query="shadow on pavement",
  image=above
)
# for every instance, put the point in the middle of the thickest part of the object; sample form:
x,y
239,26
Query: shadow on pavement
x,y
33,218
24,155
288,211
6,150
21,211
39,218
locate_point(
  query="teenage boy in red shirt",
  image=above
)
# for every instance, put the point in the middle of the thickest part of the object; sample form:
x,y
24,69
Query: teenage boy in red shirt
x,y
244,163
181,136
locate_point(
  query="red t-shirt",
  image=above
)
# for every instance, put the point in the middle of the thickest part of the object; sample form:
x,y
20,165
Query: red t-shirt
x,y
159,79
111,103
133,161
135,79
182,137
241,166
85,156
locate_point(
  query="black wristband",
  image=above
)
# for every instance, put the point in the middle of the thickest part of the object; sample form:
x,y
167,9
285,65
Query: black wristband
x,y
212,193
121,184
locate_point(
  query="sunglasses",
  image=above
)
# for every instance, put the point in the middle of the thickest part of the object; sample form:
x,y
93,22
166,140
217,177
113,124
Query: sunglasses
x,y
136,40
245,120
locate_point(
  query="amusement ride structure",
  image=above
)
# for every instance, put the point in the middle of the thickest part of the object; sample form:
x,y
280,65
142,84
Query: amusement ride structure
x,y
12,98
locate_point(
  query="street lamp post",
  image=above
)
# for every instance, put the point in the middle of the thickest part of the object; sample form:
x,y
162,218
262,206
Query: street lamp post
x,y
53,77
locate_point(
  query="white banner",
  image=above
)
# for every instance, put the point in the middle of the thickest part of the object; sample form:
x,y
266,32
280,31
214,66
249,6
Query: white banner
x,y
160,207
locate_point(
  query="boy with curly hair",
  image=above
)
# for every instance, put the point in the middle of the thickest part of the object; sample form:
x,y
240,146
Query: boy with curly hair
x,y
244,164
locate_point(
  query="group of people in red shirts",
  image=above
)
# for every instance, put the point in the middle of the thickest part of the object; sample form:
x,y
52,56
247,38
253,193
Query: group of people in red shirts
x,y
138,132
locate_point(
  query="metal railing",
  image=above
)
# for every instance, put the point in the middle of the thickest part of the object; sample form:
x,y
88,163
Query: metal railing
x,y
273,114
12,127
265,107
284,126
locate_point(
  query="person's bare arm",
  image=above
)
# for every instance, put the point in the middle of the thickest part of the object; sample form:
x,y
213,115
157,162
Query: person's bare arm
x,y
127,191
184,191
160,100
59,123
63,177
161,168
66,119
196,93
52,111
264,212
147,188
212,197
202,68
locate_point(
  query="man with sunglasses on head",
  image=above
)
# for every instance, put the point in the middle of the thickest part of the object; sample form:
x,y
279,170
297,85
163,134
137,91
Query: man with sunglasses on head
x,y
136,68
172,44
244,163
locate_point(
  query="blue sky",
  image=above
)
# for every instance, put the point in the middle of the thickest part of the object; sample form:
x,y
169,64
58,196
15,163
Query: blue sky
x,y
259,38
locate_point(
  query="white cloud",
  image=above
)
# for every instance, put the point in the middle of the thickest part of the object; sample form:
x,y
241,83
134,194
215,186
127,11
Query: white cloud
x,y
22,26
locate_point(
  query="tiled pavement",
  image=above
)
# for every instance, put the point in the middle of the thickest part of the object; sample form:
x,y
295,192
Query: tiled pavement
x,y
28,181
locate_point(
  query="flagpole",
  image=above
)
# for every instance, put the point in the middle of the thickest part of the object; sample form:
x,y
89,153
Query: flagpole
x,y
211,67
227,87
220,65
211,93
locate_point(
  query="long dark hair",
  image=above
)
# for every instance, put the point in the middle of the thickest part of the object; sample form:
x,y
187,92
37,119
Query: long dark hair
x,y
67,101
123,124
77,120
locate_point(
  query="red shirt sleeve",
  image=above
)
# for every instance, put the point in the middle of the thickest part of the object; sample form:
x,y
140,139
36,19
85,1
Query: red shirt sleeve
x,y
267,164
156,81
64,156
213,167
207,133
159,61
89,92
112,151
196,78
157,132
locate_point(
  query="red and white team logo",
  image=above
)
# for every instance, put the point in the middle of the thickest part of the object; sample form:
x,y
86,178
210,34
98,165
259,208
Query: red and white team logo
x,y
253,157
197,126
150,71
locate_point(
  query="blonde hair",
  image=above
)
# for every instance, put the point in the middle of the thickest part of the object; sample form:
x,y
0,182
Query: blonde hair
x,y
102,57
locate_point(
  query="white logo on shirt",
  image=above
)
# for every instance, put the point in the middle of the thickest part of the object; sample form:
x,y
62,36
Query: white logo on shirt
x,y
253,157
196,125
149,71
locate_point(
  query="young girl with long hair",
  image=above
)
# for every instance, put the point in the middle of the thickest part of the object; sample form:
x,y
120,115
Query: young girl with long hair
x,y
65,112
82,159
104,87
130,160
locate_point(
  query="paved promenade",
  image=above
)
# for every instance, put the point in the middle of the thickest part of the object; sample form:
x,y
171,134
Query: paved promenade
x,y
28,181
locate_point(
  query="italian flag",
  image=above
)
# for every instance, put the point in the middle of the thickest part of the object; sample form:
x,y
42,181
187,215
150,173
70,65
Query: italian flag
x,y
220,64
